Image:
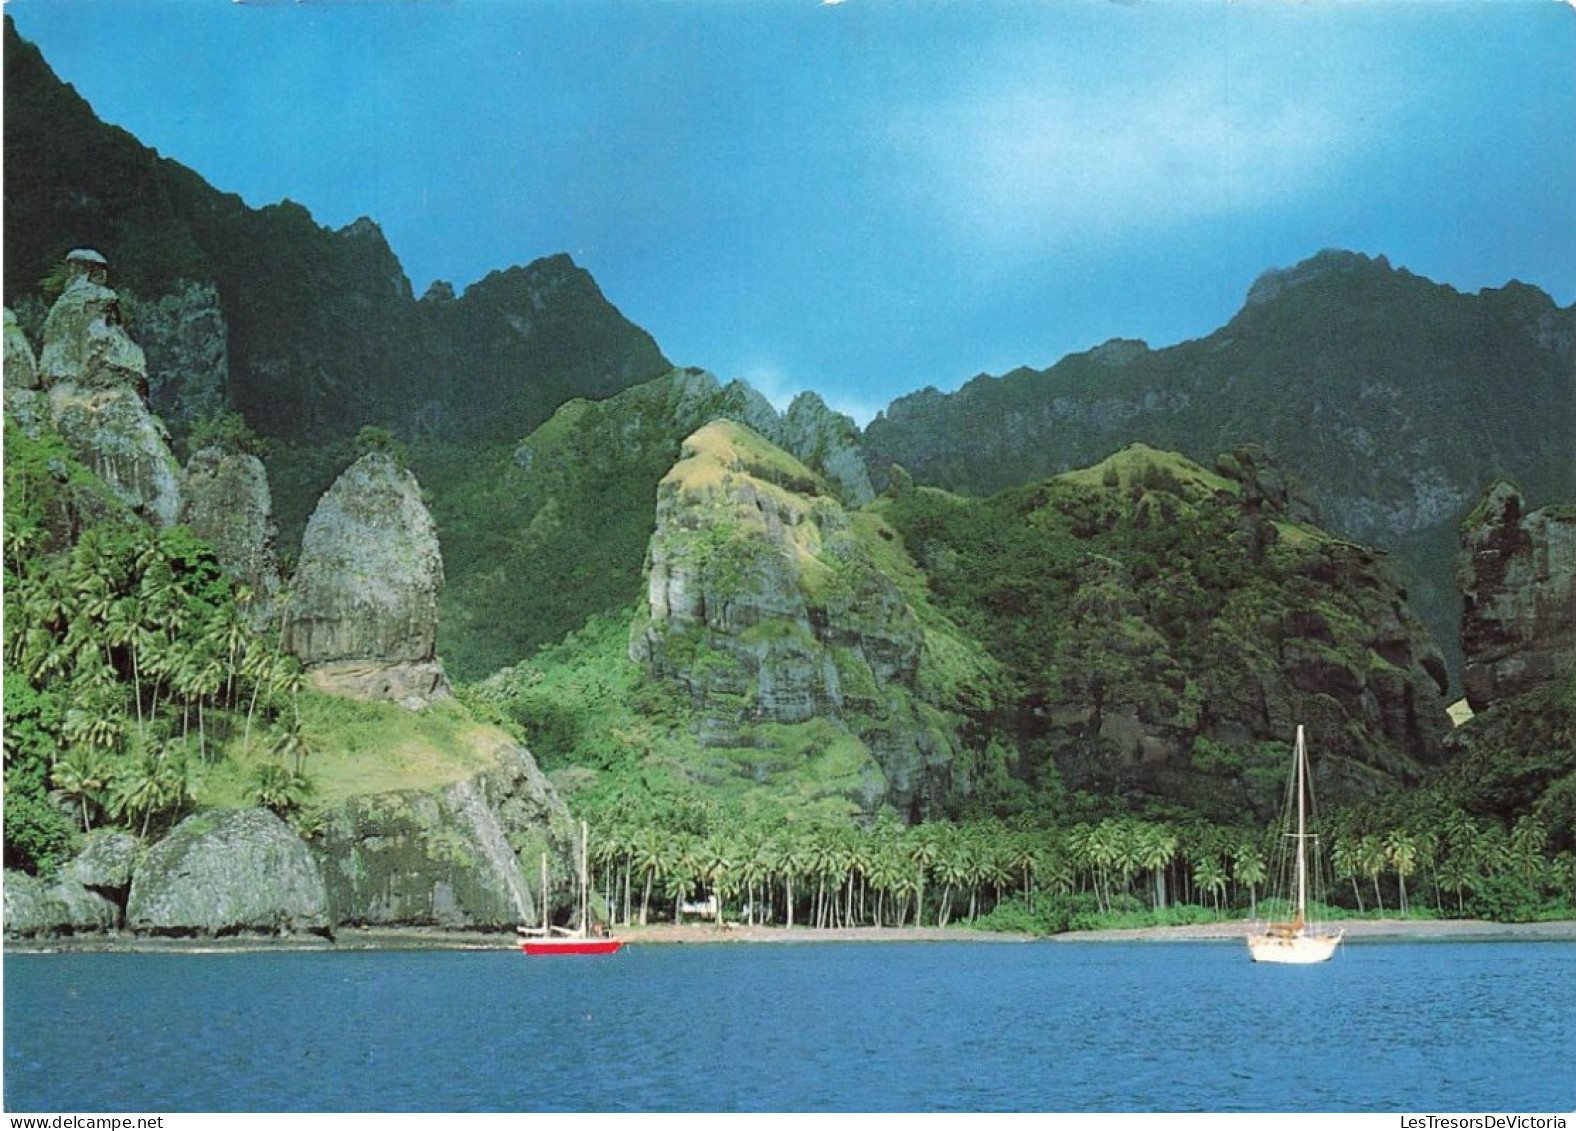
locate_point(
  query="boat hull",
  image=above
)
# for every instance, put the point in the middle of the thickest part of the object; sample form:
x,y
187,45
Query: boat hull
x,y
1296,950
544,947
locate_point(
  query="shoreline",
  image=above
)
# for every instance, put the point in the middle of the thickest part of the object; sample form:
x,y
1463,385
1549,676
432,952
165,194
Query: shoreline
x,y
426,938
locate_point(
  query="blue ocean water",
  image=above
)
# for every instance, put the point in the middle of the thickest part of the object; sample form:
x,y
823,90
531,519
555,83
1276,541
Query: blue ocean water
x,y
837,1026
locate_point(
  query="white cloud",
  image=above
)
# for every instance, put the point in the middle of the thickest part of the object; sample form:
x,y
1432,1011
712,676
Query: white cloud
x,y
1040,166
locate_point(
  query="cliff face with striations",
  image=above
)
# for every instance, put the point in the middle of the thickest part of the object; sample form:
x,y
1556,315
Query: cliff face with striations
x,y
770,606
227,503
95,384
1518,578
363,613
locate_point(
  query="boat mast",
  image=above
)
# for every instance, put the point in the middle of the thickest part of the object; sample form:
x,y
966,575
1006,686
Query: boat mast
x,y
585,898
1302,854
546,927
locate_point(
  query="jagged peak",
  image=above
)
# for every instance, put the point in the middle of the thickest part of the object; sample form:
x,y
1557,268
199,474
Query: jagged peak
x,y
363,227
1118,352
1331,261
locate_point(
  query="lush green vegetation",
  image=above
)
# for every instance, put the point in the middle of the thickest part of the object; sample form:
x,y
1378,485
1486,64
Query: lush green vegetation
x,y
1147,588
130,661
1119,872
618,744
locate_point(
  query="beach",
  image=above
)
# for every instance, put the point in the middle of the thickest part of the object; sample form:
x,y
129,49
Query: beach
x,y
668,934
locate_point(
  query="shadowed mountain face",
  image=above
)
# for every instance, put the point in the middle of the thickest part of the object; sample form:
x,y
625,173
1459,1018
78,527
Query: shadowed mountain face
x,y
1392,398
1164,628
325,335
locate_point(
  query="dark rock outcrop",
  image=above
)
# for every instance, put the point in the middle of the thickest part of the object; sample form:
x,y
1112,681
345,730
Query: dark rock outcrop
x,y
1518,578
226,502
449,857
21,367
186,341
97,383
24,401
223,873
827,442
364,609
87,896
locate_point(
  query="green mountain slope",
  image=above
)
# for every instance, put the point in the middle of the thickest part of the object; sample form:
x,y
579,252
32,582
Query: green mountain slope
x,y
554,528
1164,628
1392,398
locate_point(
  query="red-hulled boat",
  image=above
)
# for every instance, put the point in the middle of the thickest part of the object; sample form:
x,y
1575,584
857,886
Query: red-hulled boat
x,y
541,941
569,944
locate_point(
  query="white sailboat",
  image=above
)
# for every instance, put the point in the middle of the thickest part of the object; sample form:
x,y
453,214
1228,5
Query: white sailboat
x,y
1296,942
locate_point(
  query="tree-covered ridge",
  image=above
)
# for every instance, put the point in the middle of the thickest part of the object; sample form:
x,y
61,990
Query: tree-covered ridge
x,y
1163,627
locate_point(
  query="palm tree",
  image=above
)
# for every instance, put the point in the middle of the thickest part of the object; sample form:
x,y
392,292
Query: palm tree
x,y
651,855
1400,849
1371,859
1347,860
1247,864
922,853
1209,876
82,776
147,785
1157,846
277,787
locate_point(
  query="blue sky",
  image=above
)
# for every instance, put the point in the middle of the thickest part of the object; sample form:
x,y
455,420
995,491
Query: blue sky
x,y
868,197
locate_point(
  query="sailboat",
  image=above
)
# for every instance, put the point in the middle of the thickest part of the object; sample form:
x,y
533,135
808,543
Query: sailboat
x,y
575,940
1296,943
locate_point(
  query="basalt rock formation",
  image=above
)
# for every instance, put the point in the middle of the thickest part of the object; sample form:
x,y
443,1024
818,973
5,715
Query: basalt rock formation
x,y
222,873
187,344
87,896
96,381
770,605
463,856
363,613
227,503
1518,577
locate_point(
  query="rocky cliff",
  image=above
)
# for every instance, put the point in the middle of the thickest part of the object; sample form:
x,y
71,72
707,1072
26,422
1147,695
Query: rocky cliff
x,y
770,605
88,896
465,855
363,611
227,504
94,380
1165,628
222,873
1518,578
460,856
186,341
557,528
